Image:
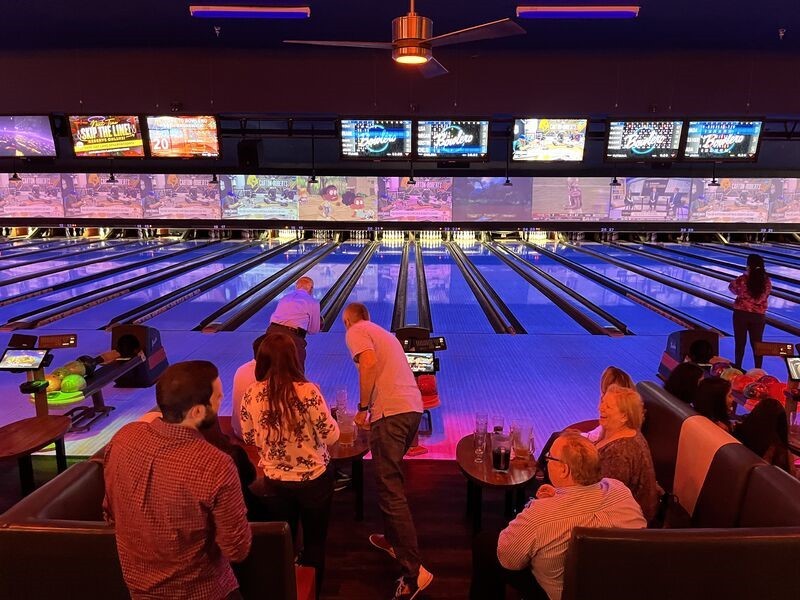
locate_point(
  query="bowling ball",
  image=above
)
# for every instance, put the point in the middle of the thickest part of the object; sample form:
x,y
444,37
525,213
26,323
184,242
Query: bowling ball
x,y
427,385
776,390
768,379
75,368
73,383
88,363
751,390
730,373
54,382
718,367
740,381
756,373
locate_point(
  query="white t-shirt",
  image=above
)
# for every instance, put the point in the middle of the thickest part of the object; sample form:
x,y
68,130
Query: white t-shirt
x,y
395,390
244,377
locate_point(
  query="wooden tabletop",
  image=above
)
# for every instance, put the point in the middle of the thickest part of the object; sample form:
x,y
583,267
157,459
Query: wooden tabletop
x,y
519,472
29,435
355,450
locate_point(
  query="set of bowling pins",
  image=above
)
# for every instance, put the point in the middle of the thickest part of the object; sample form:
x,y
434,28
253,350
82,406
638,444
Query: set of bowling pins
x,y
430,236
287,235
462,236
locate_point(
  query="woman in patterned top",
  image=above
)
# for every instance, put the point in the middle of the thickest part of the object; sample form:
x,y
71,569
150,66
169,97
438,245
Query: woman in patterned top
x,y
752,290
287,418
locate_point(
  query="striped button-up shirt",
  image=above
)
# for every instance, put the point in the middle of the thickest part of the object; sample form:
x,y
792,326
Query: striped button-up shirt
x,y
539,536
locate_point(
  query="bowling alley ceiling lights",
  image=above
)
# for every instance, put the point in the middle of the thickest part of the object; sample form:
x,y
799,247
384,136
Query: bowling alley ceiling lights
x,y
577,12
249,12
413,40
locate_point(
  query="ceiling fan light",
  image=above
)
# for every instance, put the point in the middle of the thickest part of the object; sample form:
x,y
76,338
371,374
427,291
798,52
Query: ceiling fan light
x,y
412,55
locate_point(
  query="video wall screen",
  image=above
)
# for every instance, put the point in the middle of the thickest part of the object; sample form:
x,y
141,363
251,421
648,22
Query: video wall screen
x,y
37,195
99,136
183,136
784,205
650,199
180,196
643,140
452,139
91,196
26,136
722,140
430,199
378,138
737,200
338,198
549,139
488,199
570,198
260,196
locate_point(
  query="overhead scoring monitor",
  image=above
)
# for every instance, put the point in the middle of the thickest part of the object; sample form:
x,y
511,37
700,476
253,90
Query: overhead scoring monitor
x,y
183,136
643,140
376,138
26,136
455,139
723,140
549,139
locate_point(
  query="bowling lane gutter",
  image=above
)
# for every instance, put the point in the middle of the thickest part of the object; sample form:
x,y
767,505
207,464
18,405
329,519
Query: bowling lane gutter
x,y
744,250
87,300
423,300
739,253
680,285
339,292
493,306
67,255
155,307
582,319
401,294
52,246
776,291
103,274
212,324
673,314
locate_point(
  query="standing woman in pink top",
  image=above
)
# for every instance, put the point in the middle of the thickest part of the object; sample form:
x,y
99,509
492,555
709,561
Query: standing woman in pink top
x,y
752,291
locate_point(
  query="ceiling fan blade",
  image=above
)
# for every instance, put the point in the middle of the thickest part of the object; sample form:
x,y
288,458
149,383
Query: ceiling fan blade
x,y
495,29
373,45
432,68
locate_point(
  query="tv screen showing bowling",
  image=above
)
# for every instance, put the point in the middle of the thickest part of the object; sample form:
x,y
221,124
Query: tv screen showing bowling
x,y
98,136
639,141
452,140
722,140
549,140
26,136
183,136
376,138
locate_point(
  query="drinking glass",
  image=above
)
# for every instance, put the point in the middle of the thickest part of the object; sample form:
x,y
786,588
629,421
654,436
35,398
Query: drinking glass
x,y
501,452
498,423
479,439
521,439
340,400
347,427
481,422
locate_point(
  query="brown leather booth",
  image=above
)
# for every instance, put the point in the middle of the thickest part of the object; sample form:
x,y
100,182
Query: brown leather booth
x,y
54,543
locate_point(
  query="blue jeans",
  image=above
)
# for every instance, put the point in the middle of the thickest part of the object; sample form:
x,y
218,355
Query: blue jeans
x,y
389,439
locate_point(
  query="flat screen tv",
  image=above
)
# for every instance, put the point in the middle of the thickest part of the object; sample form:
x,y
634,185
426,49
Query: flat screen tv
x,y
100,136
723,140
639,141
376,138
549,140
26,136
183,136
452,140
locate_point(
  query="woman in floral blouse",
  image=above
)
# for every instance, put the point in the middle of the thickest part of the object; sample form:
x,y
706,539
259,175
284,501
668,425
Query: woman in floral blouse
x,y
752,292
287,418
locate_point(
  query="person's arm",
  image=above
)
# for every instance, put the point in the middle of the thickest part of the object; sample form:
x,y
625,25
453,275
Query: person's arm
x,y
738,285
231,530
314,319
325,425
246,417
517,543
367,374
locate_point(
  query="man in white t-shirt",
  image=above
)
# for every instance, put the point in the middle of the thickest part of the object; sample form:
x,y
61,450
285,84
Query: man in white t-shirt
x,y
389,393
244,377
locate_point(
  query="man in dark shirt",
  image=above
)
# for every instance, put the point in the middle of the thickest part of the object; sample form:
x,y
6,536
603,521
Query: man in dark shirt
x,y
174,499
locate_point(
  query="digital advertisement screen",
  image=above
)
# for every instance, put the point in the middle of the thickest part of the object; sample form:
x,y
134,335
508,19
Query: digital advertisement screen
x,y
430,199
452,139
651,199
22,359
100,136
260,196
722,140
90,196
376,138
643,140
338,198
784,201
421,362
487,199
183,137
175,196
732,201
549,139
570,198
36,195
26,136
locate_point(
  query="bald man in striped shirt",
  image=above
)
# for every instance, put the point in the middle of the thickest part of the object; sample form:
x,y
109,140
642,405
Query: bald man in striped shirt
x,y
529,554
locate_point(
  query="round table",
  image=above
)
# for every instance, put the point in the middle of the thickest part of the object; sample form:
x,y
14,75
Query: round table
x,y
355,454
21,439
481,475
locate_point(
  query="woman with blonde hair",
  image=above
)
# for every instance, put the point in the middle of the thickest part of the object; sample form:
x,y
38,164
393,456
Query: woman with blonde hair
x,y
615,376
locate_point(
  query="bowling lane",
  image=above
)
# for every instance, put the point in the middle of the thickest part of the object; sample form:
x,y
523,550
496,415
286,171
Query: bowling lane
x,y
147,251
17,249
709,312
639,319
187,315
325,274
97,316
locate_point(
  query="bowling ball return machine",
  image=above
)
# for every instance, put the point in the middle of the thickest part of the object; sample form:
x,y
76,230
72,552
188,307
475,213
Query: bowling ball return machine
x,y
420,349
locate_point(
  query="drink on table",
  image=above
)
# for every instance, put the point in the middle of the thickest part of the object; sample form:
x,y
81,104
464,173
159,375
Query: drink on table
x,y
479,437
521,440
501,452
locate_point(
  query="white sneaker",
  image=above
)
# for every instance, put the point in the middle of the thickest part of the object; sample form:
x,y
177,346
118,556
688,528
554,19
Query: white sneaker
x,y
409,590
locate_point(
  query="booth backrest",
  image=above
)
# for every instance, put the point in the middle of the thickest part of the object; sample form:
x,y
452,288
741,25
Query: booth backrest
x,y
772,499
689,564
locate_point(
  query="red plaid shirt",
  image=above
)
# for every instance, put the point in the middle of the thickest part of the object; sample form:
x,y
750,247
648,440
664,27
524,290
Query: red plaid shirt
x,y
177,506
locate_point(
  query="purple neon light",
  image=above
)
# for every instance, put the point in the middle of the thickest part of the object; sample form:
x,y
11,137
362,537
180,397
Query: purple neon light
x,y
577,12
249,12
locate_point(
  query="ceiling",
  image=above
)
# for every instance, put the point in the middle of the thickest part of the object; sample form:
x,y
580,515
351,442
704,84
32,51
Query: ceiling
x,y
663,25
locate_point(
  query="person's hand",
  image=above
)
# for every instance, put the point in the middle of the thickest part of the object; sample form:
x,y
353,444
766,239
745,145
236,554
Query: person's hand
x,y
545,491
361,420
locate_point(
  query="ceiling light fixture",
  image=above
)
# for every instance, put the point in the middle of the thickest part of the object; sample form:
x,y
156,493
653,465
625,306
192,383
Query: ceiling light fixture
x,y
615,182
714,181
578,12
214,180
15,177
411,180
313,178
507,182
216,11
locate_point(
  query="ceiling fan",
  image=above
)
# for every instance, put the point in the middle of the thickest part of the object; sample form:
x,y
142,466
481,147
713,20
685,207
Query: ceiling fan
x,y
413,40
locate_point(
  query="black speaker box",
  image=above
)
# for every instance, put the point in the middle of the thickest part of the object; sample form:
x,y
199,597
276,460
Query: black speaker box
x,y
249,152
129,340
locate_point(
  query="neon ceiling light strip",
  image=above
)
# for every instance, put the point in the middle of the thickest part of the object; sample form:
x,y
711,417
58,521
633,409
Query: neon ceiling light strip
x,y
249,12
578,12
